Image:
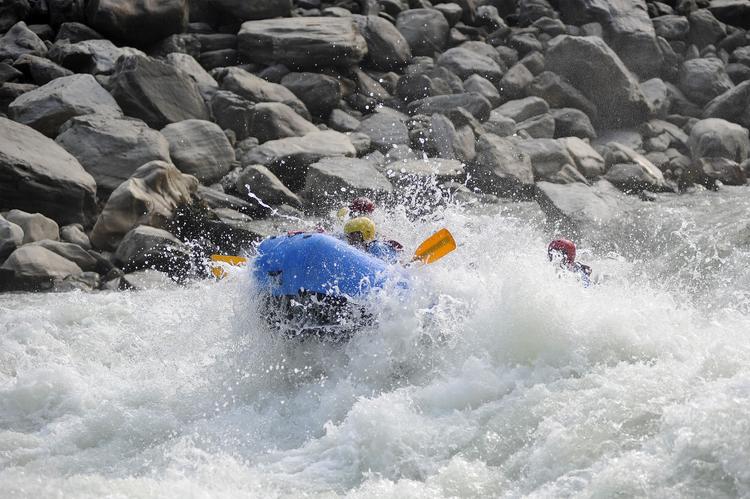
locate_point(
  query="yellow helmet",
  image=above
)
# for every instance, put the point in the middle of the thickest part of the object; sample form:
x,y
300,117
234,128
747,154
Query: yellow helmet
x,y
363,225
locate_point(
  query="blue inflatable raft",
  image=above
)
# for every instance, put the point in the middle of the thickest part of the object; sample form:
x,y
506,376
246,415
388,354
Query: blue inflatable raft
x,y
317,283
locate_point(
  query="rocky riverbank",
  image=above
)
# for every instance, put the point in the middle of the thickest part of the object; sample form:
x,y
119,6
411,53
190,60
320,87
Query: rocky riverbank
x,y
139,135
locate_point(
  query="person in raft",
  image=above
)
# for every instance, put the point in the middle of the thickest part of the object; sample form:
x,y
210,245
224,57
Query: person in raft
x,y
360,232
563,252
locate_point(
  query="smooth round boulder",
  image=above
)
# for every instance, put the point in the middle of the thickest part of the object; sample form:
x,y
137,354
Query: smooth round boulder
x,y
31,261
714,137
426,30
199,148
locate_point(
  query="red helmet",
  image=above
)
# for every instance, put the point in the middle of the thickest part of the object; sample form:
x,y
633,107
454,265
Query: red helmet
x,y
362,206
565,246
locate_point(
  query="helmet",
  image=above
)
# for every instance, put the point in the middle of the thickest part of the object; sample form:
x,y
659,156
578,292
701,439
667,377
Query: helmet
x,y
362,206
565,246
363,225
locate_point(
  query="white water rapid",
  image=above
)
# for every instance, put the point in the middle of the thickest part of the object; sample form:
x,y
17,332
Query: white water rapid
x,y
498,378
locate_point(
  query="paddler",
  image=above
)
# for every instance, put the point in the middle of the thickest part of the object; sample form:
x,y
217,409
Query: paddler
x,y
360,232
563,252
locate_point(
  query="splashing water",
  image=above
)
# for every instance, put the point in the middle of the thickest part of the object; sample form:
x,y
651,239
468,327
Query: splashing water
x,y
497,377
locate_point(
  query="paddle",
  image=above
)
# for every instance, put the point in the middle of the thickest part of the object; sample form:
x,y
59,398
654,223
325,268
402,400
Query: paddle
x,y
431,250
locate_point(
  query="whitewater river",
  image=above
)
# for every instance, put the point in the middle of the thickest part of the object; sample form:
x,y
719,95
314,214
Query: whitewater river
x,y
495,378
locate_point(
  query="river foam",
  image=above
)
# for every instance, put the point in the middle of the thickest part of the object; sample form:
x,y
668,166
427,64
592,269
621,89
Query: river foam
x,y
497,377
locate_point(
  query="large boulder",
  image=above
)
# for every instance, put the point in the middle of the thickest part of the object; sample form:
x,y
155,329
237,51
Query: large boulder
x,y
426,30
36,174
557,92
732,105
242,10
148,197
631,171
500,167
385,131
304,42
589,162
332,179
476,104
41,69
387,49
465,62
258,181
188,65
11,237
145,247
627,28
199,148
155,91
49,106
111,149
35,226
522,109
71,252
320,94
254,89
594,69
20,40
570,122
732,12
574,206
32,262
703,79
724,170
548,157
274,120
714,137
289,158
88,56
137,22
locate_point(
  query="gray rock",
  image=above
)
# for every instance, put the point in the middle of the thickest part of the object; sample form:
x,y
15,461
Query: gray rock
x,y
635,173
499,124
703,79
361,142
732,12
148,197
20,40
441,169
71,252
75,31
111,149
589,162
705,29
387,49
319,93
559,93
714,137
274,120
534,62
575,206
258,181
48,107
302,42
89,56
384,131
446,141
627,27
37,174
12,11
199,148
571,122
138,23
36,262
342,122
479,85
515,82
142,280
548,156
465,62
593,68
156,92
149,247
671,27
398,153
74,234
330,180
476,104
732,105
241,10
657,96
11,237
254,89
188,65
630,137
538,127
426,30
289,158
35,226
452,12
42,70
216,198
523,109
500,167
232,112
724,170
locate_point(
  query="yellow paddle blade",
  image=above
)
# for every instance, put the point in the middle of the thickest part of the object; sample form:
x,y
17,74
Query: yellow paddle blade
x,y
217,270
435,247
